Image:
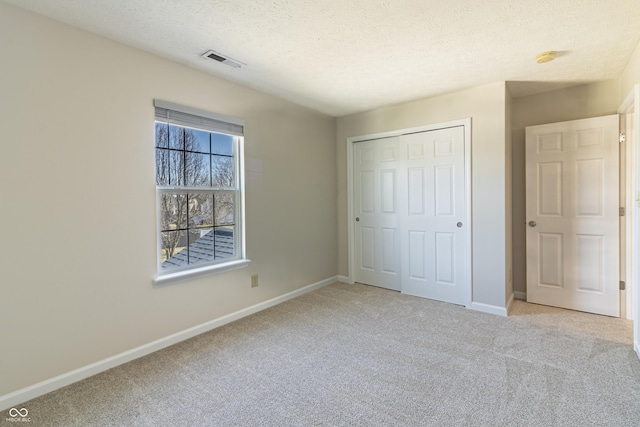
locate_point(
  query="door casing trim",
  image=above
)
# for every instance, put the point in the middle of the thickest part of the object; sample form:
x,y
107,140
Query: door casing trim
x,y
631,105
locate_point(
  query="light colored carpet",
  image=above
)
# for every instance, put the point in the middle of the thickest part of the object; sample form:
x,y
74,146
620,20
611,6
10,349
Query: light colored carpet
x,y
355,355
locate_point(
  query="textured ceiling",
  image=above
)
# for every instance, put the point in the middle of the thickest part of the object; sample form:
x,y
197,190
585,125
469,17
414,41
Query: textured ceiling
x,y
346,56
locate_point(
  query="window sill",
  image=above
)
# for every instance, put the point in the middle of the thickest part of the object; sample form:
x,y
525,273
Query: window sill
x,y
180,276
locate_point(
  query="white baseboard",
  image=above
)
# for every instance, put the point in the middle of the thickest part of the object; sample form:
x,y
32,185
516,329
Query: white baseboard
x,y
491,309
520,295
35,390
344,279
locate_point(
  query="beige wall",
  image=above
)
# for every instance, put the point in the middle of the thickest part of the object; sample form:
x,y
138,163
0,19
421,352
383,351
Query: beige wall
x,y
486,106
577,102
631,74
78,199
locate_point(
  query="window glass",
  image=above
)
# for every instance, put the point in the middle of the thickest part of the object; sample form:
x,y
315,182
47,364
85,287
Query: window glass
x,y
198,194
162,135
197,140
197,170
222,171
222,144
176,137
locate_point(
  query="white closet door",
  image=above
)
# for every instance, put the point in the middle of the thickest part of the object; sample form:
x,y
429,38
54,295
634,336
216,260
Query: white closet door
x,y
432,214
377,239
572,215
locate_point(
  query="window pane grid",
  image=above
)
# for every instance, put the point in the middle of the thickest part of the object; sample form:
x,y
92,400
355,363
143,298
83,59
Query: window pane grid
x,y
198,191
178,214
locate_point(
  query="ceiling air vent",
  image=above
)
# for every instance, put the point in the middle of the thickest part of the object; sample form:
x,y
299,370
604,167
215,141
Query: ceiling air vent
x,y
210,54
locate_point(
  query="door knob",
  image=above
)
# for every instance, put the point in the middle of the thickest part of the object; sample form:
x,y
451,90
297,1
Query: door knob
x,y
357,219
532,224
459,225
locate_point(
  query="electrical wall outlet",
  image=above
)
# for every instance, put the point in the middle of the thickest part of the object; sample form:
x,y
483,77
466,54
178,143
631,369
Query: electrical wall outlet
x,y
254,280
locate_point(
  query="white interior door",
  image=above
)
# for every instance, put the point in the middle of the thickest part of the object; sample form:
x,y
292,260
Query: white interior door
x,y
572,215
432,214
409,206
377,248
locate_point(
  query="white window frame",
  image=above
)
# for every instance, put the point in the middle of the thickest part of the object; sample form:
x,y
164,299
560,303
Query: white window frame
x,y
189,117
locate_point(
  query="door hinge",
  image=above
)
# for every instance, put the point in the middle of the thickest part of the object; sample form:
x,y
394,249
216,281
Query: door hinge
x,y
623,285
623,138
623,211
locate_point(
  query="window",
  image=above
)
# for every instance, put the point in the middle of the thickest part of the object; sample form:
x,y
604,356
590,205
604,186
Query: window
x,y
199,192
